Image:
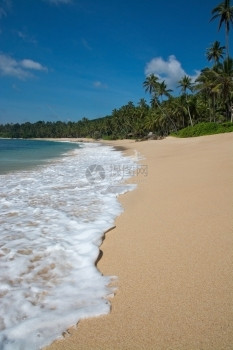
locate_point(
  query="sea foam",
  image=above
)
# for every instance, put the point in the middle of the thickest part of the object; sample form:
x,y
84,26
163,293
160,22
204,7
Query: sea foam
x,y
52,223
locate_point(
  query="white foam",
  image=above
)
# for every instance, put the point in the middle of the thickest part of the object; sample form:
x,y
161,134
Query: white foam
x,y
51,225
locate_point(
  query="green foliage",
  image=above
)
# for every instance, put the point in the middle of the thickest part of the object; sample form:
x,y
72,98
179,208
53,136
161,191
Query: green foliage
x,y
202,129
109,137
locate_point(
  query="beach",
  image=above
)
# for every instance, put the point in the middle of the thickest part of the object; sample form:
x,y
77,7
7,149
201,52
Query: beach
x,y
172,252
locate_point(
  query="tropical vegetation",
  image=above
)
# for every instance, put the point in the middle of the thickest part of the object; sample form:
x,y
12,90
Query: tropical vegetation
x,y
201,129
204,105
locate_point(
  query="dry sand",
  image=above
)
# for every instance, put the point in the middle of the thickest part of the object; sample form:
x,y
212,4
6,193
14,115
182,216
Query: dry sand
x,y
172,250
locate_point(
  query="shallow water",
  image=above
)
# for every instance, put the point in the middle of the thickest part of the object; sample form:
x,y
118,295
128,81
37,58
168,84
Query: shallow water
x,y
19,154
52,221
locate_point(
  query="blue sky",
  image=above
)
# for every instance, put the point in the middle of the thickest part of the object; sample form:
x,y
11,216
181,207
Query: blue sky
x,y
69,59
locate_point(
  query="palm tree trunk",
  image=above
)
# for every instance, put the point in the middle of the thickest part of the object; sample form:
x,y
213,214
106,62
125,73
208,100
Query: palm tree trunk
x,y
231,110
165,116
214,108
227,43
190,118
209,106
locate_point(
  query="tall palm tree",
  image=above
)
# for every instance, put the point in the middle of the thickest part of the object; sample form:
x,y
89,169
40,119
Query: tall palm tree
x,y
205,84
224,11
151,83
177,110
215,52
142,104
154,102
142,108
157,89
162,90
186,84
224,85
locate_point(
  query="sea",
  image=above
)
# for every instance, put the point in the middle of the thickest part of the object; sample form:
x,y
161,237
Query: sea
x,y
57,200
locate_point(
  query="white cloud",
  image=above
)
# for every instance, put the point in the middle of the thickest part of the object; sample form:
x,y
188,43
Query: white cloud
x,y
171,70
18,69
196,75
10,67
29,64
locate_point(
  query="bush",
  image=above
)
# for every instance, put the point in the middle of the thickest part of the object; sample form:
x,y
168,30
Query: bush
x,y
202,129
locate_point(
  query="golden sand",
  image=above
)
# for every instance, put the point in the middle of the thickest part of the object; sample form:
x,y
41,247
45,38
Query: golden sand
x,y
172,250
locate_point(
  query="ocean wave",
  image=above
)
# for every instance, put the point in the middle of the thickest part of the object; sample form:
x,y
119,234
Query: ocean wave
x,y
52,222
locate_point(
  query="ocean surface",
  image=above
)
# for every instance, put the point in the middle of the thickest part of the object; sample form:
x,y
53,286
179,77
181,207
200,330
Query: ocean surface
x,y
16,154
56,201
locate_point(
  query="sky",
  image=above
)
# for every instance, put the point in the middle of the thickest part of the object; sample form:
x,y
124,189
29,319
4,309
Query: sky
x,y
62,60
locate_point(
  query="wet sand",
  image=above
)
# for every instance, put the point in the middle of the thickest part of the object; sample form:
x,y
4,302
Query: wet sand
x,y
172,250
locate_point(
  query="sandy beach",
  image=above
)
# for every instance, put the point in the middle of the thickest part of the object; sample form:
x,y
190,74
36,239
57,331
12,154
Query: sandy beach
x,y
172,251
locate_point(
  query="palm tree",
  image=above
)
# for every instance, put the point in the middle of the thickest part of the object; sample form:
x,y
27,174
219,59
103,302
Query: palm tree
x,y
162,90
157,89
205,84
186,84
177,110
215,52
225,12
151,121
154,102
142,108
224,85
142,104
160,123
151,83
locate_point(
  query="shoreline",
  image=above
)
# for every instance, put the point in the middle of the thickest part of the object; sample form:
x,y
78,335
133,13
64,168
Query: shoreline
x,y
67,227
171,250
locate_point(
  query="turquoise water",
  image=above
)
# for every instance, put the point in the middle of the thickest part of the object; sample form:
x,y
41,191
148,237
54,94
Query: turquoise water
x,y
17,154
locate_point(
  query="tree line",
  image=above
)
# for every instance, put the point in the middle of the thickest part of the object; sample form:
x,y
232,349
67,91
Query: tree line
x,y
207,99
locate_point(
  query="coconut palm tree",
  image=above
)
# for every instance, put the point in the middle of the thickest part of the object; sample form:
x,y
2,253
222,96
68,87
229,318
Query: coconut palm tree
x,y
151,83
186,84
205,84
157,90
224,85
215,52
142,104
162,90
224,11
160,123
177,111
